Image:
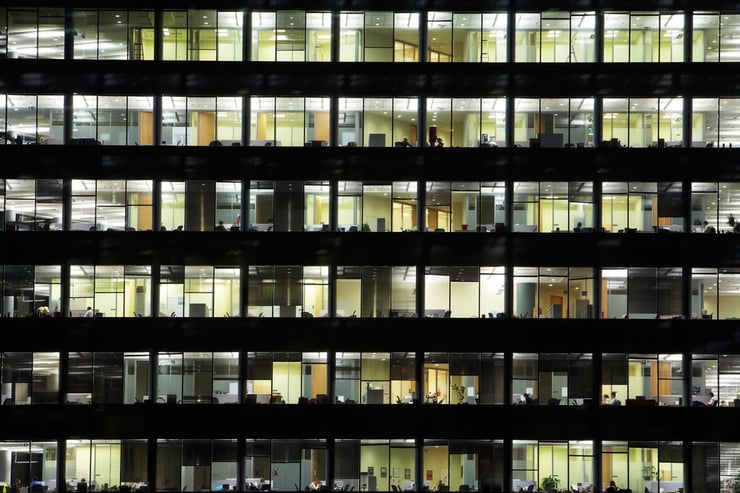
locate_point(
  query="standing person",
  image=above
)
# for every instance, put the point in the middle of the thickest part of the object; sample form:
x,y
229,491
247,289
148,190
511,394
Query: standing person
x,y
613,400
712,400
35,486
16,487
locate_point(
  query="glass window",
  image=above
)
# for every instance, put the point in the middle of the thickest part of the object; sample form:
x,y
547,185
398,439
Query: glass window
x,y
670,380
111,205
194,464
643,122
35,33
110,291
289,121
256,464
713,122
198,378
390,120
291,36
107,34
113,120
467,122
554,122
204,35
173,205
201,121
137,375
553,292
438,206
615,464
211,291
201,205
262,203
466,37
561,37
274,291
524,465
170,381
714,35
29,291
704,380
94,378
31,205
643,37
379,36
29,459
274,378
347,379
642,292
705,293
32,119
171,291
642,207
226,377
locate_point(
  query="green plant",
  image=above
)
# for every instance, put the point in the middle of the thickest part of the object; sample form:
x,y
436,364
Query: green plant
x,y
458,392
550,483
649,472
734,486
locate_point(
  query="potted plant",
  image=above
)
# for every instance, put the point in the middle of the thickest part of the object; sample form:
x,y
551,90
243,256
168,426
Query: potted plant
x,y
458,392
649,472
550,483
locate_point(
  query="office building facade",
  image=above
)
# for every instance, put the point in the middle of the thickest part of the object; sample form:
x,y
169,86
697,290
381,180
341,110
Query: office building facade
x,y
384,245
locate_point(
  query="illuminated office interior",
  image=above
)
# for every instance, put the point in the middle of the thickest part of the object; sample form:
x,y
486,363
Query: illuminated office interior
x,y
197,294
